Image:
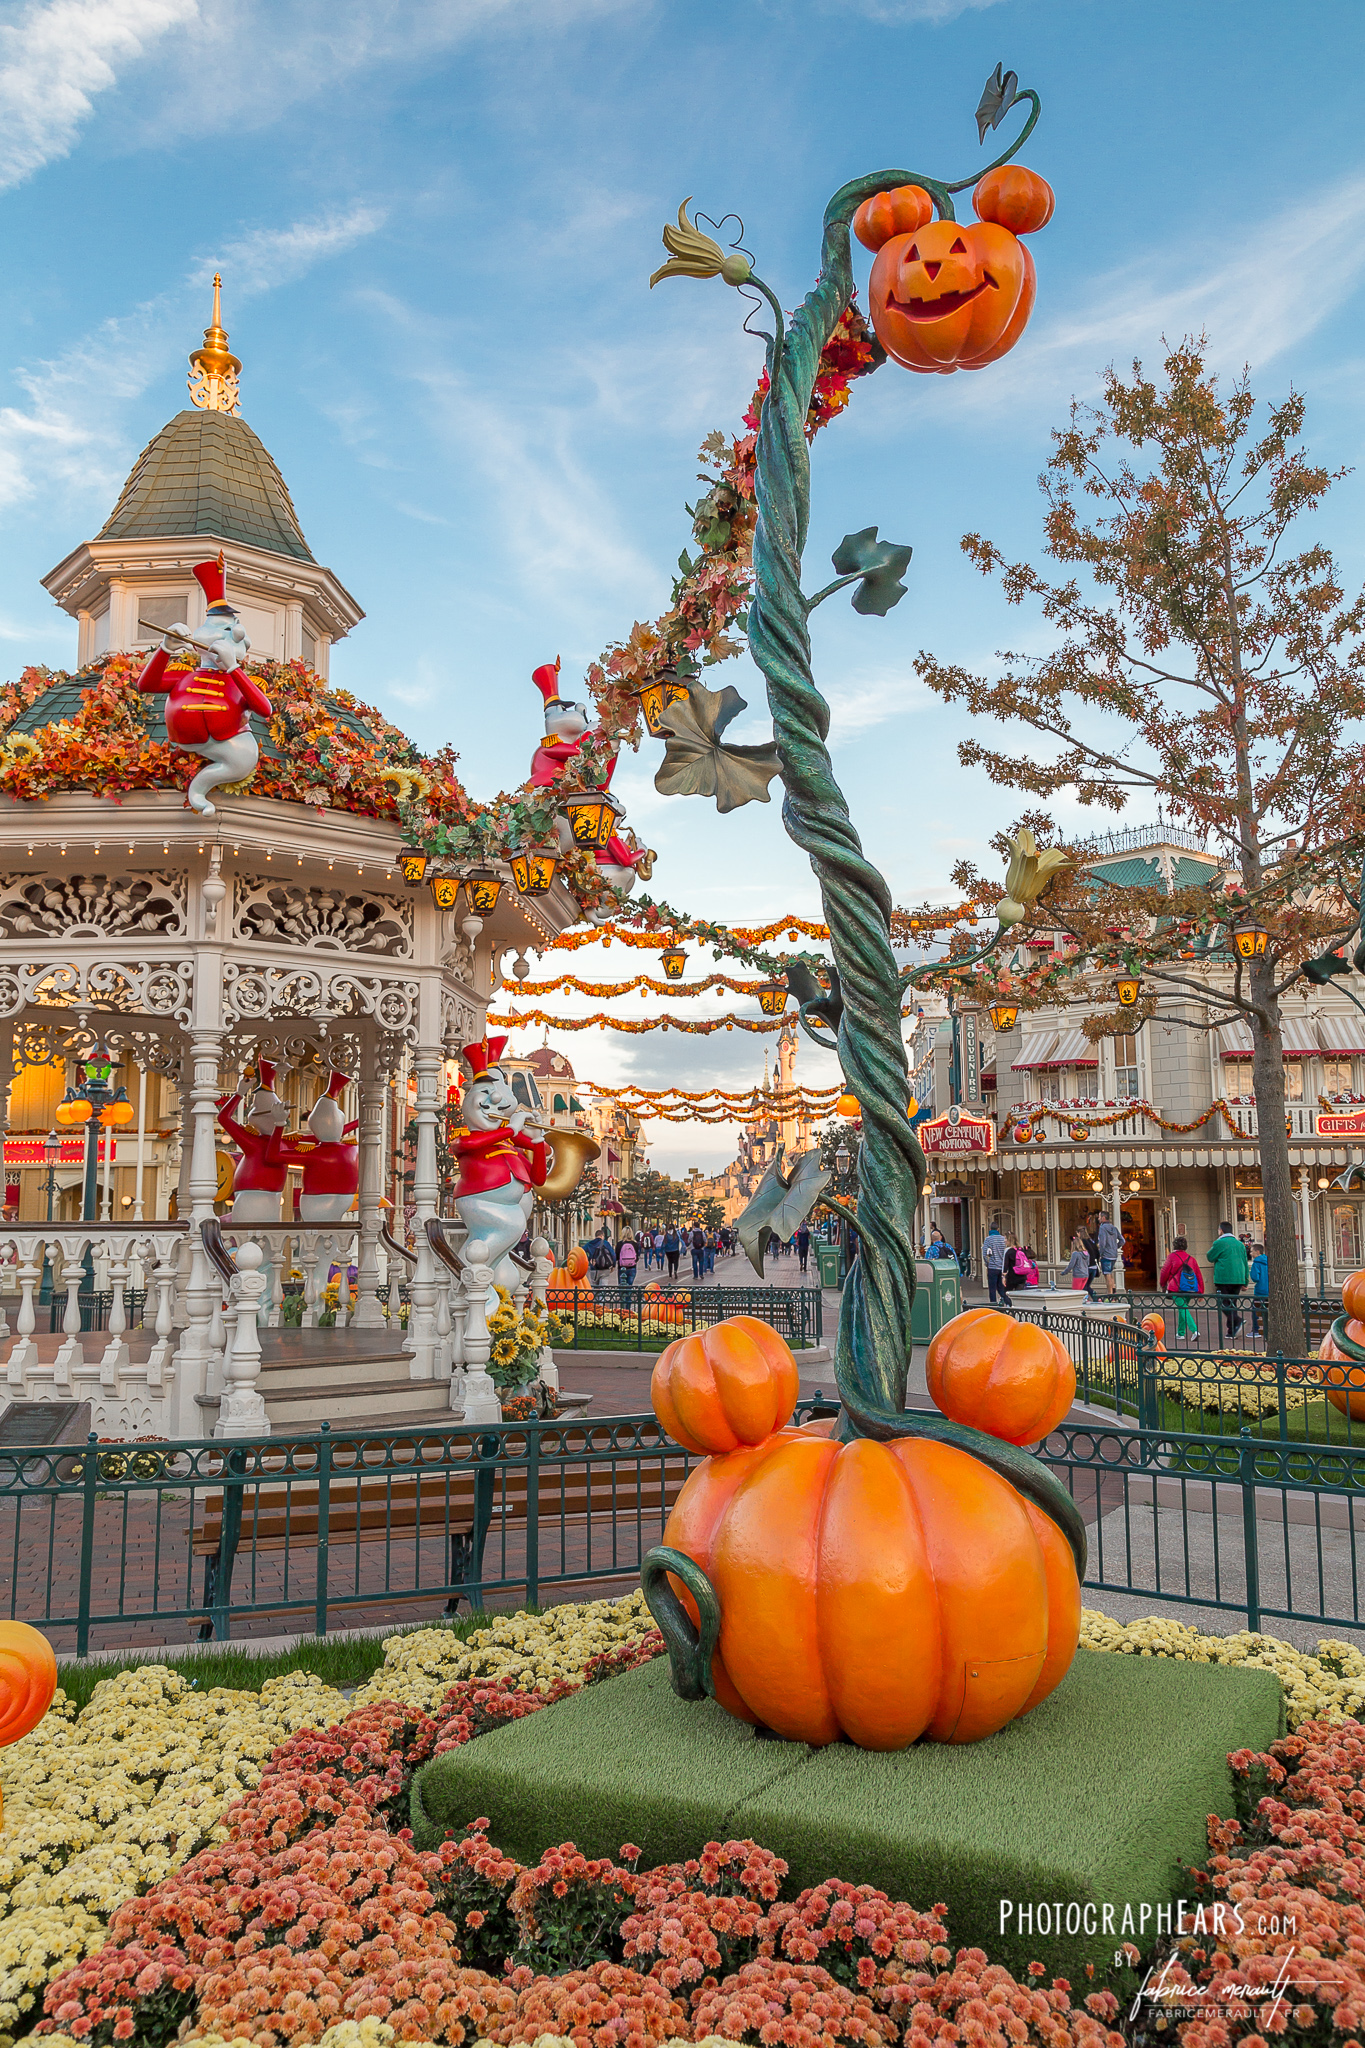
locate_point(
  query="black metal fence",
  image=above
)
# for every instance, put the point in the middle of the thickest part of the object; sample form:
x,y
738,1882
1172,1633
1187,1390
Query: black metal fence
x,y
107,1544
95,1310
1267,1530
645,1318
300,1533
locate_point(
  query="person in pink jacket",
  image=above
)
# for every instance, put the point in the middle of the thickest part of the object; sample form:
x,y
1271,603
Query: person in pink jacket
x,y
1181,1277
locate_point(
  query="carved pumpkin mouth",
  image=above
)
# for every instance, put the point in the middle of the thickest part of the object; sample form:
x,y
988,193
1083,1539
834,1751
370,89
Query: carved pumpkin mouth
x,y
940,308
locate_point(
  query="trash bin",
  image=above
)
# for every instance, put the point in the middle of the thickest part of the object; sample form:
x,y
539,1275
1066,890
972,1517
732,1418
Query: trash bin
x,y
938,1298
828,1258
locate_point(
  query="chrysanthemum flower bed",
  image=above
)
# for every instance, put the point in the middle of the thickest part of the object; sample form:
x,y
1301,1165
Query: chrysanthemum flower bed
x,y
218,1868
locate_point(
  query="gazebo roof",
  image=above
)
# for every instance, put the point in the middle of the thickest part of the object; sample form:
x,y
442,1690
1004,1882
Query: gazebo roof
x,y
208,473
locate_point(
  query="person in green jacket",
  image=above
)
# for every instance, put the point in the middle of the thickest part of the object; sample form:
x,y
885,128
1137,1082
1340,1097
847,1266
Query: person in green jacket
x,y
1231,1270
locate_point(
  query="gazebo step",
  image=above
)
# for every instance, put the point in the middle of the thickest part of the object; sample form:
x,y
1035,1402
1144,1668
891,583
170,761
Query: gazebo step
x,y
376,1403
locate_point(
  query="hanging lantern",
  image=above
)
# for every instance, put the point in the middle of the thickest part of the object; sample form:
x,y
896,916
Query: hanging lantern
x,y
1128,988
592,816
533,868
1249,938
1004,1015
656,695
445,891
414,866
74,1108
772,997
483,888
118,1112
673,960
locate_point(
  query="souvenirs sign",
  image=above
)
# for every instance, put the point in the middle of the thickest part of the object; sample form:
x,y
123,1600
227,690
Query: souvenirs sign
x,y
957,1134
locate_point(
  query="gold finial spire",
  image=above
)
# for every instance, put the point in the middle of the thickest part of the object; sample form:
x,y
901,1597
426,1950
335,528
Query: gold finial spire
x,y
213,369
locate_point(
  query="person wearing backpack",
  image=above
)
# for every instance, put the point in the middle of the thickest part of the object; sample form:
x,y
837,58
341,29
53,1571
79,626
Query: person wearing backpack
x,y
1260,1289
697,1246
626,1260
1181,1277
672,1246
601,1260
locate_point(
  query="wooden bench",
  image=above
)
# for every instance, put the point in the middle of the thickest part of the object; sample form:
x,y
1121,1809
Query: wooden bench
x,y
461,1503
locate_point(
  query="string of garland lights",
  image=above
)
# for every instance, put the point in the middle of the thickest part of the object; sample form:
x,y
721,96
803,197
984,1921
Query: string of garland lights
x,y
703,1026
605,990
660,928
788,1101
1029,1116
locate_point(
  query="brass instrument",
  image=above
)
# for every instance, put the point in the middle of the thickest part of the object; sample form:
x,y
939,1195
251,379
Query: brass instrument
x,y
571,1153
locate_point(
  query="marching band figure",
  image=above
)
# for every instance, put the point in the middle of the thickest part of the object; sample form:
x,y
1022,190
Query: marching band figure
x,y
499,1166
261,1172
206,707
566,724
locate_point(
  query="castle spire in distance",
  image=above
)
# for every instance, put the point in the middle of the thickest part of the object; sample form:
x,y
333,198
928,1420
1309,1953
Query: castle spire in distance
x,y
214,370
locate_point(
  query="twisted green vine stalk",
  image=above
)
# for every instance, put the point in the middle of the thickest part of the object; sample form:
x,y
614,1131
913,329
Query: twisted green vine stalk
x,y
873,1346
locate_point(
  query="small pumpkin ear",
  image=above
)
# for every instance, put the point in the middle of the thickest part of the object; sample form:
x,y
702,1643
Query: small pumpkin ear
x,y
1015,199
892,213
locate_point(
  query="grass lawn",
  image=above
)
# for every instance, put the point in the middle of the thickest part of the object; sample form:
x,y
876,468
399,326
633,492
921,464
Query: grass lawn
x,y
1095,1798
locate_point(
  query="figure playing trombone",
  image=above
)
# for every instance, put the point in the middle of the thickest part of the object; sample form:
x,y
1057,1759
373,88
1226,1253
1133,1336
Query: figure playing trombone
x,y
207,706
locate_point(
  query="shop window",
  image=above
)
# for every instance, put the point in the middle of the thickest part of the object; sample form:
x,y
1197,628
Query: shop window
x,y
1338,1077
1345,1234
1049,1087
1251,1217
1293,1080
1033,1216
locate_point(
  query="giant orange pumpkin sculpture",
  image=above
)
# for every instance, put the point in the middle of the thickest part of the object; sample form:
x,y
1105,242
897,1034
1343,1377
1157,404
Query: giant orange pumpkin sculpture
x,y
28,1679
953,295
878,1590
1344,1347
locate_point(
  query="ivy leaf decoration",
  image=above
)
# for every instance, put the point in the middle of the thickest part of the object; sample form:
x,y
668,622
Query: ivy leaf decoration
x,y
879,563
697,763
999,96
817,1005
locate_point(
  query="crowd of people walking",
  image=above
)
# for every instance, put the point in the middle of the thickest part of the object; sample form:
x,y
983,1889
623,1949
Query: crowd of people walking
x,y
616,1263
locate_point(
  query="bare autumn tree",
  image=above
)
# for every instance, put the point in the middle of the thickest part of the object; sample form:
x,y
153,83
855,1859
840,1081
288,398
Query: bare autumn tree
x,y
1200,660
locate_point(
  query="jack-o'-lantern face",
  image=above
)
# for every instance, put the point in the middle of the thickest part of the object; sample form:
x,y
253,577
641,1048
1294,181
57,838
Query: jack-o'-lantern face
x,y
951,296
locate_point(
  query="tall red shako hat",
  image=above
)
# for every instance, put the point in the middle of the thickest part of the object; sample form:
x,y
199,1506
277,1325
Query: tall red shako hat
x,y
484,1056
336,1083
546,680
212,580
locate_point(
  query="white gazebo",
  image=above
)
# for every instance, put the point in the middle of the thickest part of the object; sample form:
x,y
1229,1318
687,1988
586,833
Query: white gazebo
x,y
186,949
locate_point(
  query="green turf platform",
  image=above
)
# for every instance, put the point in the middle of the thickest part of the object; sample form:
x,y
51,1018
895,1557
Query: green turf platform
x,y
1094,1798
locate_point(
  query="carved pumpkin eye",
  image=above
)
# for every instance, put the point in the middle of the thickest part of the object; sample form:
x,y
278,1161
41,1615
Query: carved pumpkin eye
x,y
959,247
914,252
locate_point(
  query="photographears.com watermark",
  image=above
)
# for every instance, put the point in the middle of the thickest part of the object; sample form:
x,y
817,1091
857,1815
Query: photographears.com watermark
x,y
1135,1922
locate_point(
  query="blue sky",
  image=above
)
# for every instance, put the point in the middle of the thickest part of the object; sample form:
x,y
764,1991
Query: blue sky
x,y
436,223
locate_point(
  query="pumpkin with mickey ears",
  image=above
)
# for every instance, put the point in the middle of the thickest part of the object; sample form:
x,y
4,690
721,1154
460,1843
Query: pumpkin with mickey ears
x,y
878,1591
953,295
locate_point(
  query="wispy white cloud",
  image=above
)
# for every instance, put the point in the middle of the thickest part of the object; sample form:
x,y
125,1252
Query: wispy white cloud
x,y
57,58
264,257
69,437
1251,307
898,12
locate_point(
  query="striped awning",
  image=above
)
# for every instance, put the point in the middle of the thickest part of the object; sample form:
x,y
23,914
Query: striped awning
x,y
1342,1036
1057,1049
1297,1033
